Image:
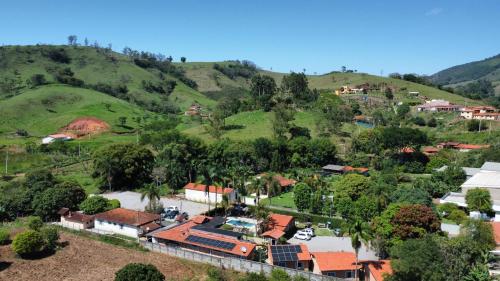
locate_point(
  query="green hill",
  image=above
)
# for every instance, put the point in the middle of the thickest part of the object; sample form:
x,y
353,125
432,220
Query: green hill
x,y
47,109
210,80
488,69
93,66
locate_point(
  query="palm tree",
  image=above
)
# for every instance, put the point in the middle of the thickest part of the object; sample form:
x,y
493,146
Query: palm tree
x,y
359,234
153,193
272,185
261,213
256,187
225,204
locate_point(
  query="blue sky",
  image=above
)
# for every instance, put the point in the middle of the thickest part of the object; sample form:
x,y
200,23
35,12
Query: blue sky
x,y
319,36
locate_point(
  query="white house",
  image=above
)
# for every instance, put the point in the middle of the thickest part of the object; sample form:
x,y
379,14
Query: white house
x,y
488,177
75,220
52,138
127,222
197,192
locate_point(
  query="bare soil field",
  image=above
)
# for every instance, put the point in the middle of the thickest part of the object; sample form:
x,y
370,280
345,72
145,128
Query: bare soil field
x,y
86,125
86,259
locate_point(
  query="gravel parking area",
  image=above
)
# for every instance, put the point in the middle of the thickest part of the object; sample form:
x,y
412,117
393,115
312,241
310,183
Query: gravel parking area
x,y
132,200
335,244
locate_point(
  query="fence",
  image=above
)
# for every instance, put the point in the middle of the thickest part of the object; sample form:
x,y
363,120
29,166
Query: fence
x,y
241,265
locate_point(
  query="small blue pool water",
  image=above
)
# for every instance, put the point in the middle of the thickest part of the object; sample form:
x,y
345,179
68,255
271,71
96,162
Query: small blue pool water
x,y
364,124
240,223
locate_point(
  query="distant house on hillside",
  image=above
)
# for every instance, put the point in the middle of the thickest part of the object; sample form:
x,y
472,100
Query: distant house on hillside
x,y
480,113
199,193
462,147
56,137
194,109
127,222
339,169
438,106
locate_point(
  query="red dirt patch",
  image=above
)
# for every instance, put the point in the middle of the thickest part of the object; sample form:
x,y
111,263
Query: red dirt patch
x,y
85,259
85,126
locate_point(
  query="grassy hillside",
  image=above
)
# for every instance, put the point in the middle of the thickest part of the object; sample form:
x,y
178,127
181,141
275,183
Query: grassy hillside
x,y
210,79
92,66
488,69
46,109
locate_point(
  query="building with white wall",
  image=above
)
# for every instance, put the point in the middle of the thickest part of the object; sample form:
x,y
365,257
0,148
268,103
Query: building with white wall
x,y
127,222
200,193
75,220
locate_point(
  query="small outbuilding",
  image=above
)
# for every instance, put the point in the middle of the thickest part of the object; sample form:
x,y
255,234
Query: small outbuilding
x,y
75,220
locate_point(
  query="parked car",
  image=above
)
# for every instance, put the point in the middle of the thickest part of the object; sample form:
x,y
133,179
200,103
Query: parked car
x,y
172,214
172,208
302,235
309,231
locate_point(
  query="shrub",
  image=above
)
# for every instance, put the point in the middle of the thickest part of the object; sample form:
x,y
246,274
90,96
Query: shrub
x,y
279,275
35,223
50,235
139,271
94,205
37,80
4,237
113,204
215,274
28,243
457,216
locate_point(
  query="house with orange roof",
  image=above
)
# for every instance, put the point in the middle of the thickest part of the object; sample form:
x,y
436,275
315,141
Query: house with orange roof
x,y
75,220
480,113
200,193
202,234
377,270
430,150
127,222
277,227
284,182
336,264
290,256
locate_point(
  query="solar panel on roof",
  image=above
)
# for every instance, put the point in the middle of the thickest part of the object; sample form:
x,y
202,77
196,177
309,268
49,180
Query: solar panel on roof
x,y
211,242
285,252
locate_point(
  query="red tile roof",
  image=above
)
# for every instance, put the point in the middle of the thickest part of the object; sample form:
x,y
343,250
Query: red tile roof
x,y
496,231
211,188
129,217
471,146
75,216
200,219
353,169
181,232
407,150
335,261
274,233
378,269
430,149
284,182
281,222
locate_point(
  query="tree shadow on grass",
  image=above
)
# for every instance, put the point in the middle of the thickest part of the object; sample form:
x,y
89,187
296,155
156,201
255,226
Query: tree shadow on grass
x,y
233,127
38,256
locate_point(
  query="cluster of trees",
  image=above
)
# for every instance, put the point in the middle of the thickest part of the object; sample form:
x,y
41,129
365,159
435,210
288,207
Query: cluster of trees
x,y
411,77
160,62
419,121
480,89
40,194
167,87
234,69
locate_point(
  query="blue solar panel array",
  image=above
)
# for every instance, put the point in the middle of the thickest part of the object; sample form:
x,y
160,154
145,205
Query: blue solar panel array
x,y
282,253
211,242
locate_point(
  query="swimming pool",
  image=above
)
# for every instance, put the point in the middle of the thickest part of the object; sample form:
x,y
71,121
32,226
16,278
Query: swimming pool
x,y
237,222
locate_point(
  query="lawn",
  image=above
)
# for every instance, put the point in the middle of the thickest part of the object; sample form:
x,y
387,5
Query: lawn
x,y
284,200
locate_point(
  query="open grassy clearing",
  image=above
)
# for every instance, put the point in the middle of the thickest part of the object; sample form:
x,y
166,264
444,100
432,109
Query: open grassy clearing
x,y
284,200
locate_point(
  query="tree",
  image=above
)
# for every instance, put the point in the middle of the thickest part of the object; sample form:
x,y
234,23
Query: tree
x,y
36,80
414,221
215,126
263,88
479,199
358,231
72,40
152,192
35,223
411,196
317,202
480,272
302,196
282,116
122,120
432,122
49,202
352,185
388,93
332,113
139,271
51,236
94,205
475,125
183,59
395,138
123,166
28,243
419,121
296,85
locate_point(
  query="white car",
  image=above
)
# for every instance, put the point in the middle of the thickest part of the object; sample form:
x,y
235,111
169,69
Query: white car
x,y
171,208
302,236
309,231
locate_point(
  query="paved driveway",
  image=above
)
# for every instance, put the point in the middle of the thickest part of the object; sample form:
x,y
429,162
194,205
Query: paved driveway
x,y
132,200
335,244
